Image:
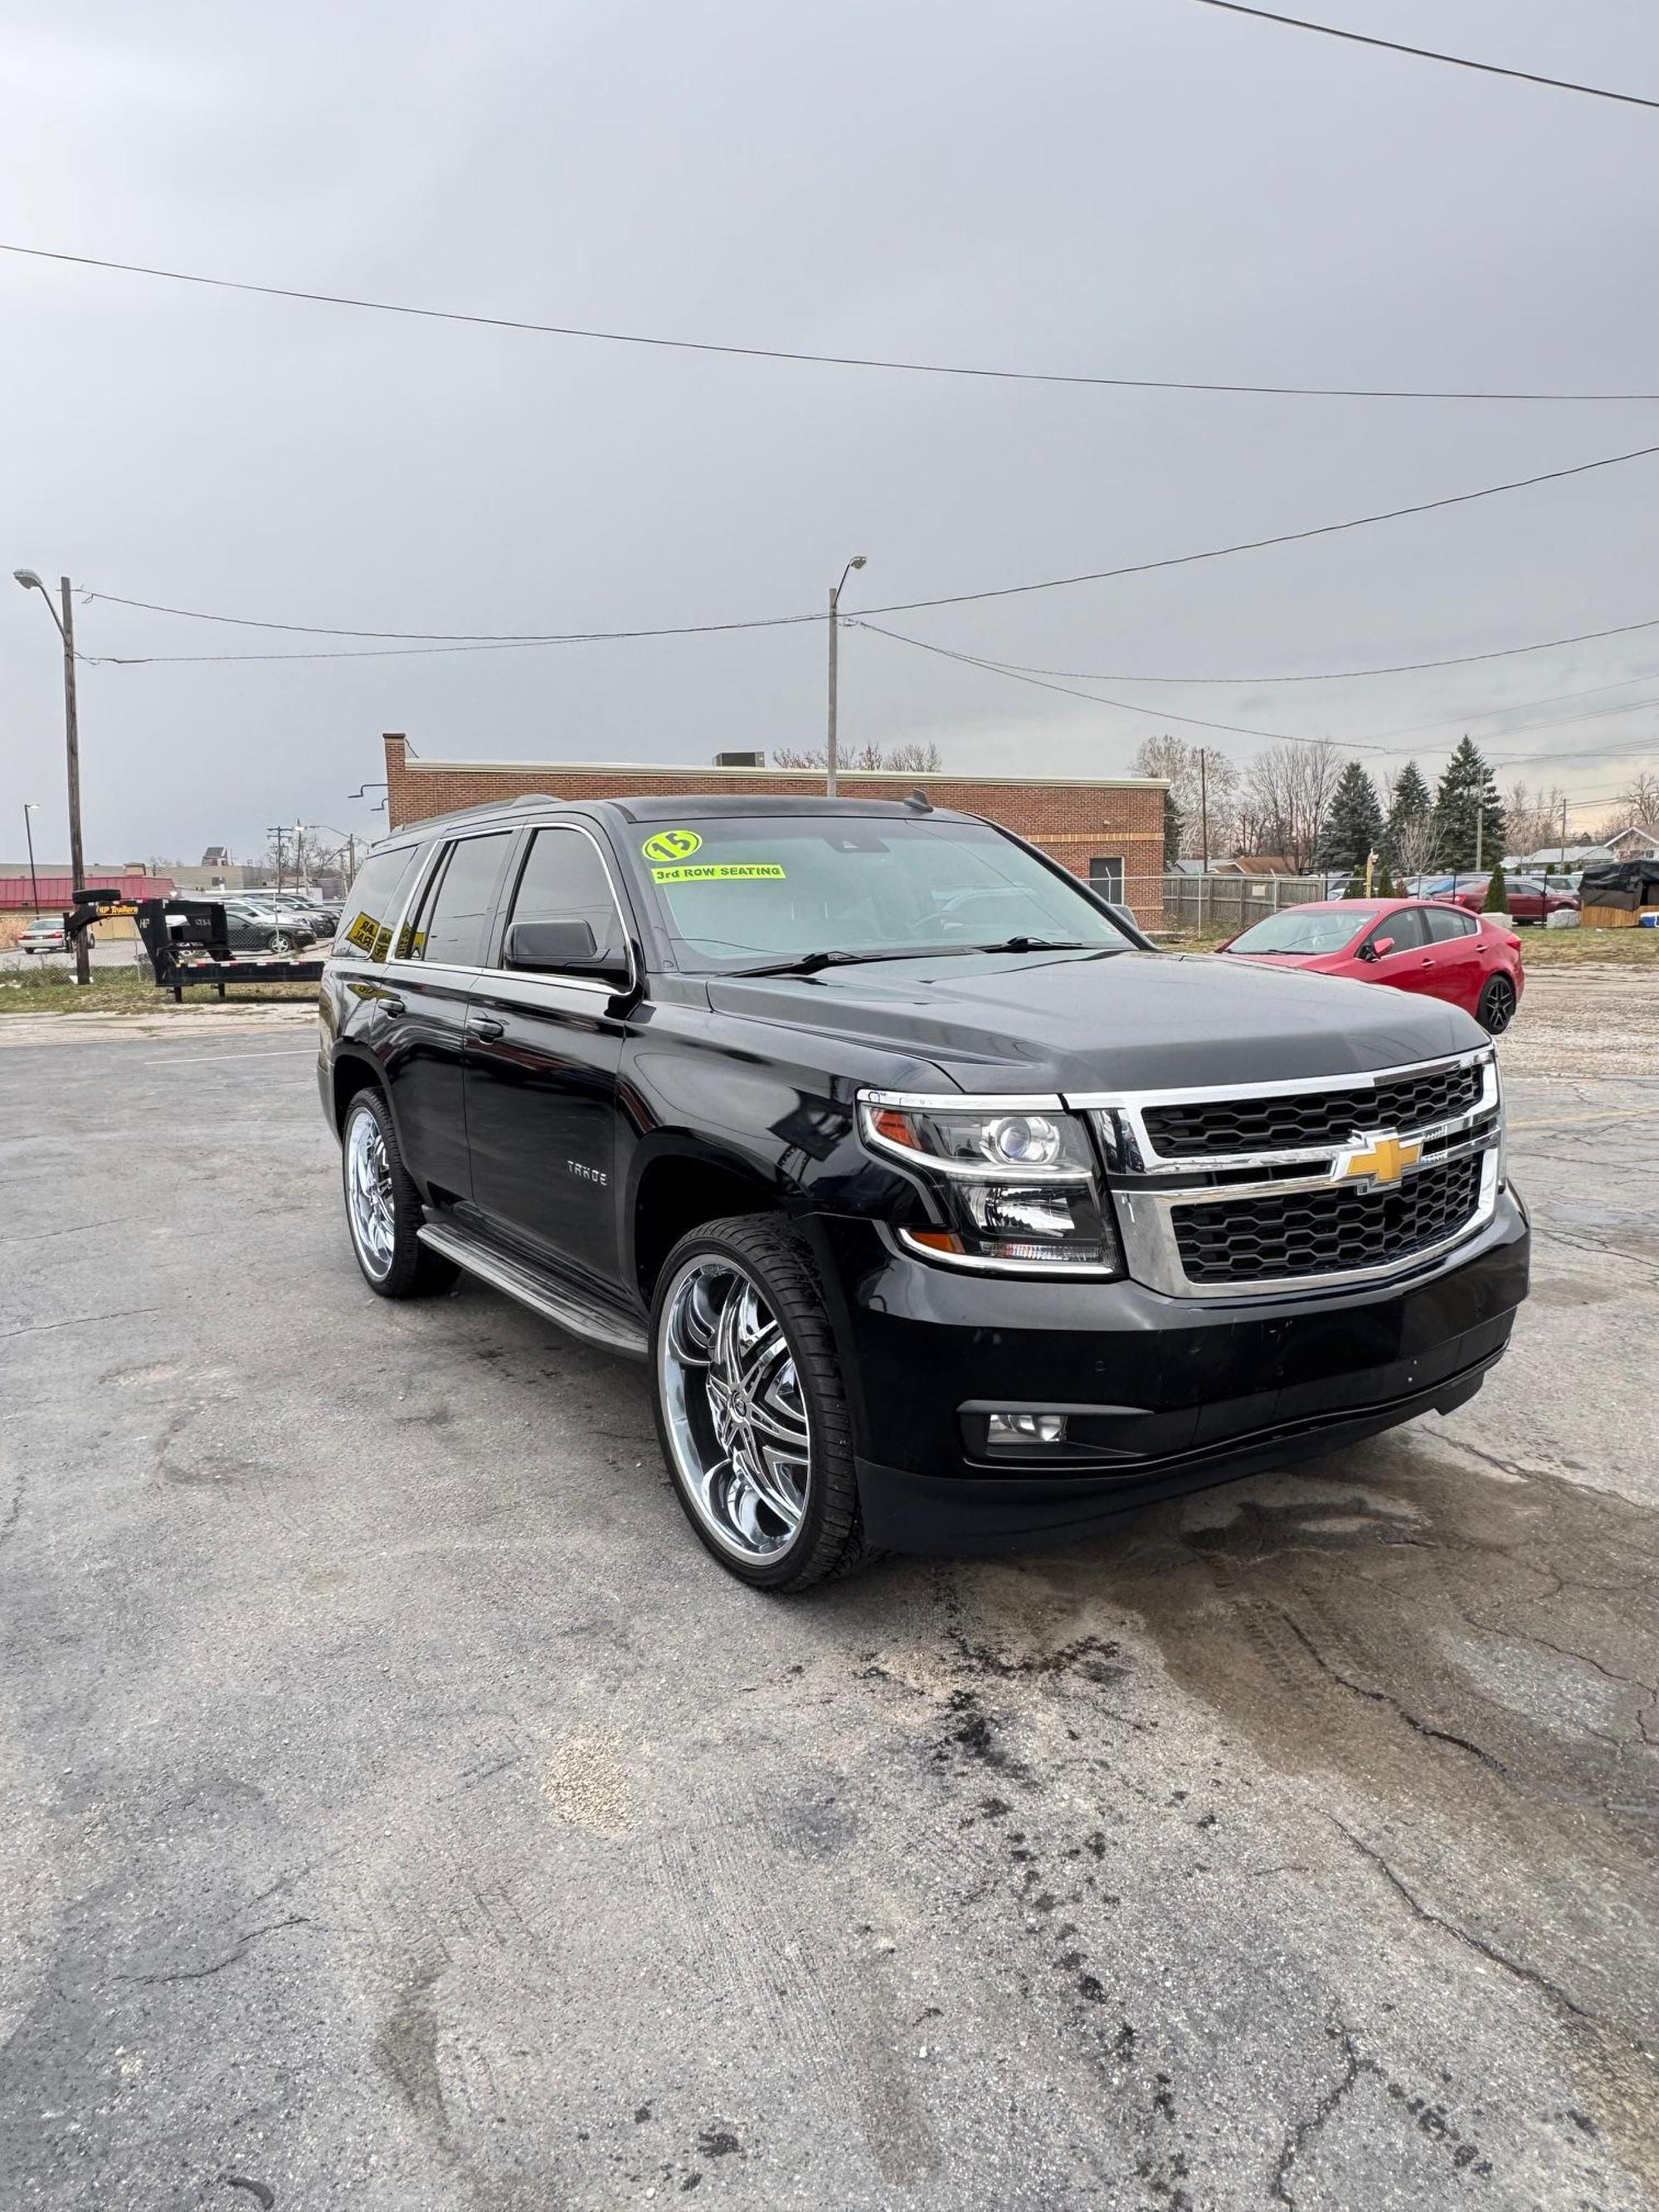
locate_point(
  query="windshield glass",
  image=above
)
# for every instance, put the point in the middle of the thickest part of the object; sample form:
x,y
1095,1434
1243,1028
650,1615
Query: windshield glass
x,y
1306,929
747,890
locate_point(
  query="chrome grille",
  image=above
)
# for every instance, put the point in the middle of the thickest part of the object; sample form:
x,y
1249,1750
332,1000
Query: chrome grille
x,y
1326,1233
1208,1128
1244,1190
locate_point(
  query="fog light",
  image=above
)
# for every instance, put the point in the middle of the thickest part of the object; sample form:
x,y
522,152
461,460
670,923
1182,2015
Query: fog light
x,y
1008,1431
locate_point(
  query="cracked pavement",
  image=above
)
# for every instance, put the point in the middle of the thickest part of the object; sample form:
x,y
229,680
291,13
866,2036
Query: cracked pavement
x,y
403,1812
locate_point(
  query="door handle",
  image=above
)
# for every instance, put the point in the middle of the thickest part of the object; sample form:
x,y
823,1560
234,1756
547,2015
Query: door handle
x,y
393,1006
486,1028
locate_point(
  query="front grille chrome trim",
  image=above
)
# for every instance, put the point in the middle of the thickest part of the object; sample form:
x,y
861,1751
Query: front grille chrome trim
x,y
1126,1138
1153,1258
1147,1188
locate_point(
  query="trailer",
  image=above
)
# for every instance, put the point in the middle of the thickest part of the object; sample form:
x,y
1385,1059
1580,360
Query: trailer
x,y
186,941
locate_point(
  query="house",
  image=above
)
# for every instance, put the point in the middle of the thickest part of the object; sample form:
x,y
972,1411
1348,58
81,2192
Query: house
x,y
1558,858
1635,842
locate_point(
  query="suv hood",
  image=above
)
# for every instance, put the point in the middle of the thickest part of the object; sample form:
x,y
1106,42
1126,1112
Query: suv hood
x,y
1129,1021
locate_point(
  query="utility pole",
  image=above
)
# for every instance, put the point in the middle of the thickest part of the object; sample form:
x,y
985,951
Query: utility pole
x,y
1204,804
278,834
65,623
1563,833
29,808
831,761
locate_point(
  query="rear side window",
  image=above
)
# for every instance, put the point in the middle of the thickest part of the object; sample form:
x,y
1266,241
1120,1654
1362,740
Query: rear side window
x,y
1407,928
455,914
564,879
1447,923
365,930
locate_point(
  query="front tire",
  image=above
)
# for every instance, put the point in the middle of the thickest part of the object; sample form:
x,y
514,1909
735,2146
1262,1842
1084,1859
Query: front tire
x,y
751,1407
384,1210
279,941
1498,1001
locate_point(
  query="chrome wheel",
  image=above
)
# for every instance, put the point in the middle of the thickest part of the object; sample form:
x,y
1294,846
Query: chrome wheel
x,y
369,1194
1497,1008
736,1417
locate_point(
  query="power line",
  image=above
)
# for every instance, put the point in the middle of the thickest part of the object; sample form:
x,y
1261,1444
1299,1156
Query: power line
x,y
1334,675
1295,737
903,607
997,668
817,360
1429,54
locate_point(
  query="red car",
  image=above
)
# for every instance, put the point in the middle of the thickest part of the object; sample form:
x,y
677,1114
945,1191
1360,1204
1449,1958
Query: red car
x,y
1417,945
1530,898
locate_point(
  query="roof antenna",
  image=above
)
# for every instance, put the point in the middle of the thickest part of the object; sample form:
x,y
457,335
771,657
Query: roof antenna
x,y
919,803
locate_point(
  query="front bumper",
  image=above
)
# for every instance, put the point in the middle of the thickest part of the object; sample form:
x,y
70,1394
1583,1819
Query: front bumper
x,y
1164,1395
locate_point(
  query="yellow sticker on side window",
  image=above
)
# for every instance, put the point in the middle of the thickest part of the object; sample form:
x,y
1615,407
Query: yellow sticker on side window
x,y
672,845
720,871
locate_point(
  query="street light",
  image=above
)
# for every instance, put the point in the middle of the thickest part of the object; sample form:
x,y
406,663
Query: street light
x,y
831,758
65,625
29,807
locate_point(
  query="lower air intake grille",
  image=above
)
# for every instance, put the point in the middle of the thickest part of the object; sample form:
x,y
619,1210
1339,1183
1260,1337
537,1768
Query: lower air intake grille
x,y
1282,1123
1326,1233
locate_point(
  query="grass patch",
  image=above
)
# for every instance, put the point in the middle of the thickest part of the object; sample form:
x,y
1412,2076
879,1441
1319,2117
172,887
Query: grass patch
x,y
52,990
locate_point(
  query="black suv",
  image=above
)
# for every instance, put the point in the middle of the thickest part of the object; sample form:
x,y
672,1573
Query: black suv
x,y
948,1214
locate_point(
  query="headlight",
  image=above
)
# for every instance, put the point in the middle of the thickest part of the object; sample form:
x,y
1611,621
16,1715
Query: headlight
x,y
1017,1184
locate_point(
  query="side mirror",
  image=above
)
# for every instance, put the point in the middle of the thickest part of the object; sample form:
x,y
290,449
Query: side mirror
x,y
1379,946
563,948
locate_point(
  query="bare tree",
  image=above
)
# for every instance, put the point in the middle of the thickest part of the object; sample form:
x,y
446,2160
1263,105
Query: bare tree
x,y
1638,807
911,758
1290,791
1211,791
1533,816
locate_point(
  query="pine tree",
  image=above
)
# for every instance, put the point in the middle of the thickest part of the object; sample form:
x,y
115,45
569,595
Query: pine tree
x,y
1496,900
1407,835
1467,797
1173,828
1353,824
1383,883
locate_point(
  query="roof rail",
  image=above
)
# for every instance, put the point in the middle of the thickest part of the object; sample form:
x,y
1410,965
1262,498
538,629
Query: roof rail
x,y
472,814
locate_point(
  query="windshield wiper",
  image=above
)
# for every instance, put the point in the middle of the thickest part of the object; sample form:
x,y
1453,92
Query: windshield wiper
x,y
808,963
1042,944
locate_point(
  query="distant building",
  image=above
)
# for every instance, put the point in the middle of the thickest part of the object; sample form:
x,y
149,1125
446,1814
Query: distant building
x,y
1637,842
1562,857
1109,829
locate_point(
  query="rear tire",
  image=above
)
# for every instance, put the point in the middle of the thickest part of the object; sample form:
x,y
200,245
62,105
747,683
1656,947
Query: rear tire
x,y
384,1210
1498,1001
751,1410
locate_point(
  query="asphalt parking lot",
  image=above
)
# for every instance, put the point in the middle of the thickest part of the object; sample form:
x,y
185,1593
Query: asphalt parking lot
x,y
404,1812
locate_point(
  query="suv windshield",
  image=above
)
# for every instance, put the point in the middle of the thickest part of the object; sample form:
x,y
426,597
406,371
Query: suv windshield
x,y
747,890
1306,929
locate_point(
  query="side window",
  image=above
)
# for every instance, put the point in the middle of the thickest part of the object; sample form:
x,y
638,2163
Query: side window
x,y
455,919
1407,928
564,879
365,930
1447,923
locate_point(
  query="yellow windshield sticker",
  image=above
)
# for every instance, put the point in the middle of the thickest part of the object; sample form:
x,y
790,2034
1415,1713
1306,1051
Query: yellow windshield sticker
x,y
672,845
720,871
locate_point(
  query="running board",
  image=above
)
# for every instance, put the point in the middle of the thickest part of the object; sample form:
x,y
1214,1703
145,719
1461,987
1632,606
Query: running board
x,y
566,1309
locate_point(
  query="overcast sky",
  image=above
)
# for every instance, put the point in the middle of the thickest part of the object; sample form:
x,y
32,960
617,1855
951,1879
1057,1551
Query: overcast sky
x,y
1148,187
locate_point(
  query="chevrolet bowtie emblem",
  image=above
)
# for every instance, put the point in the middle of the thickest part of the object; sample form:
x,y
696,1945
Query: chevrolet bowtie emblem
x,y
1380,1159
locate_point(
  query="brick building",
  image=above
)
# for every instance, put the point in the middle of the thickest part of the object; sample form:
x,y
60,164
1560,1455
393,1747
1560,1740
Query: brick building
x,y
1108,829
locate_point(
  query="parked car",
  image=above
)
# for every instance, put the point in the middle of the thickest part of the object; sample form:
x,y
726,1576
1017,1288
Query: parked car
x,y
1530,898
251,928
1415,945
292,906
940,1225
45,935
